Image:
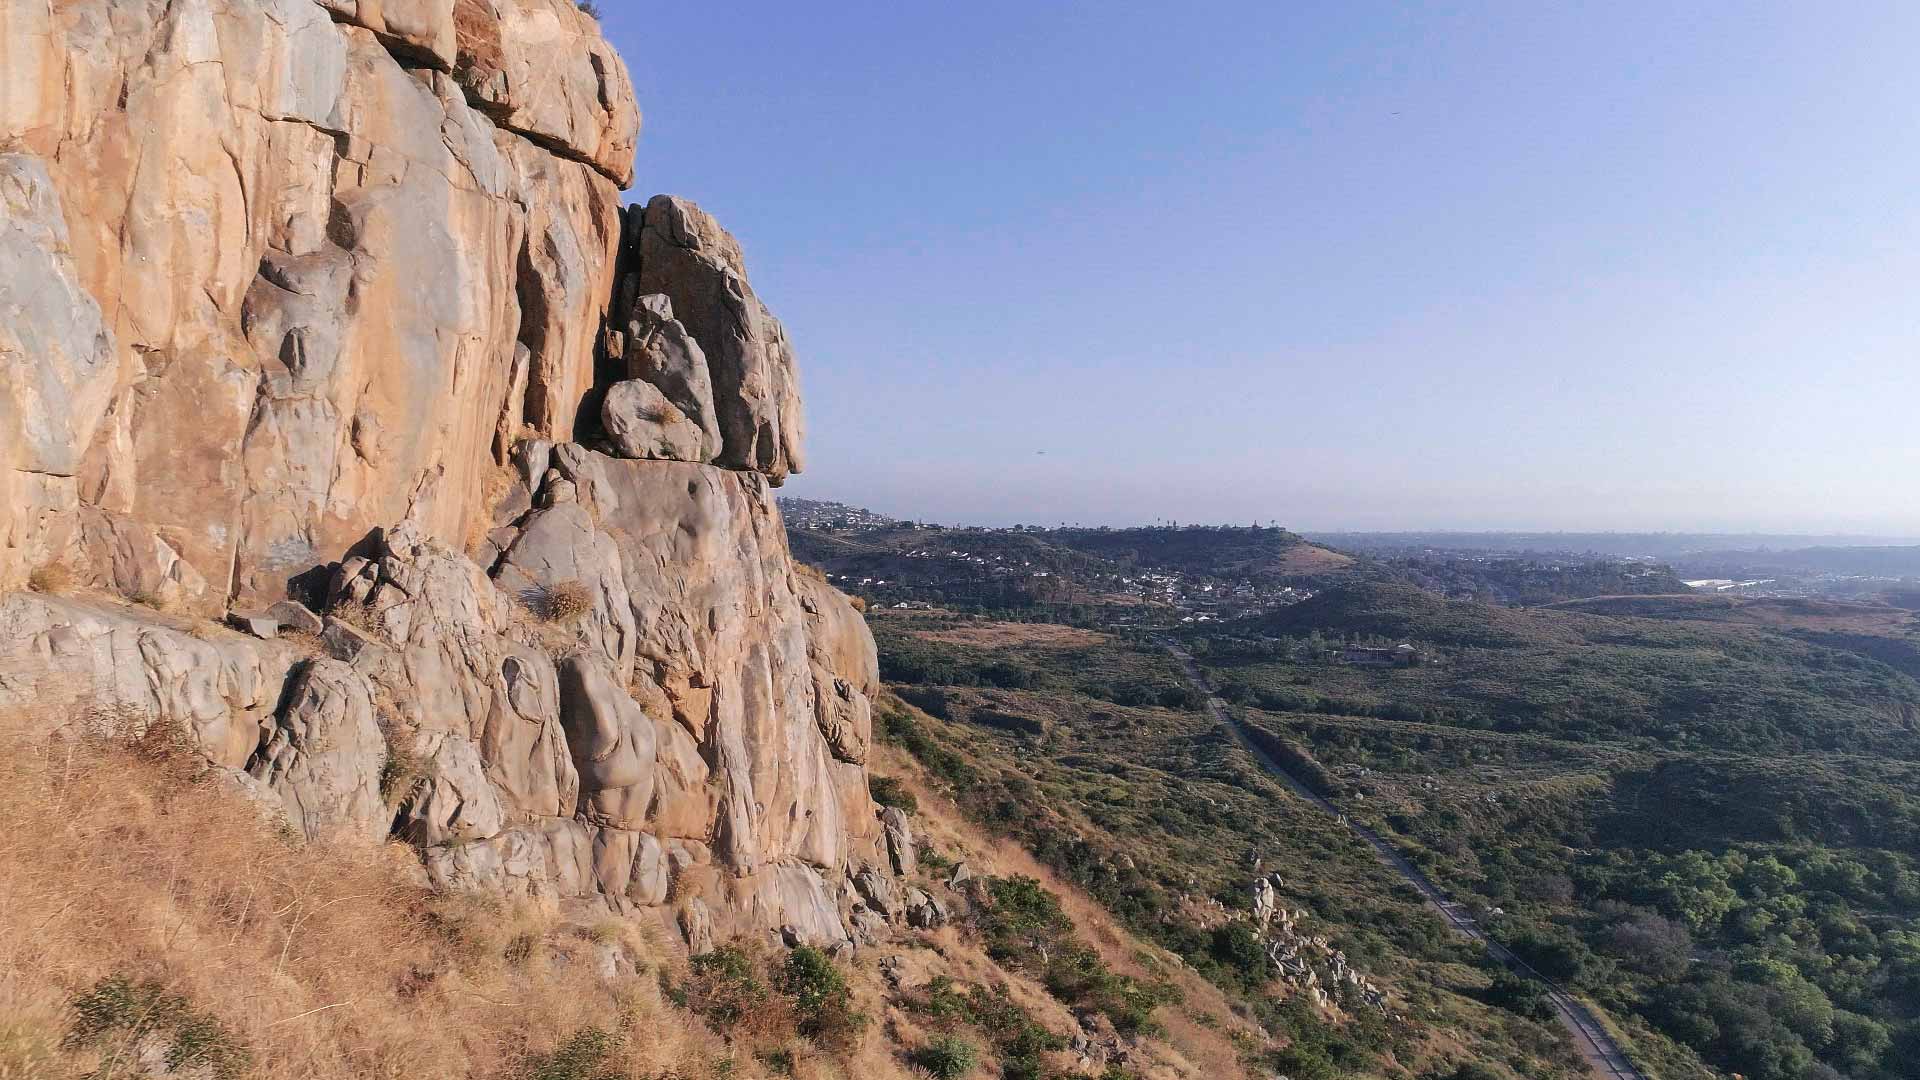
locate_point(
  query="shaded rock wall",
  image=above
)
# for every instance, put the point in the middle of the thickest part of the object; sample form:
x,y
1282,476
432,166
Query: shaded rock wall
x,y
335,298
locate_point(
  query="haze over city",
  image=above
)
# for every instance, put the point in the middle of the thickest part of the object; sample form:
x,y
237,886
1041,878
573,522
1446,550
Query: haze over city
x,y
1364,266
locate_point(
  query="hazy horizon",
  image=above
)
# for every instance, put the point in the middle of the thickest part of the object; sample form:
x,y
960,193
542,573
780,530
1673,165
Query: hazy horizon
x,y
1366,267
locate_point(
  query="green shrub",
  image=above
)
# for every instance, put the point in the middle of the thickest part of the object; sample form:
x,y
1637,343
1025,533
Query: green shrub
x,y
947,1058
821,999
119,1014
587,1054
889,791
723,987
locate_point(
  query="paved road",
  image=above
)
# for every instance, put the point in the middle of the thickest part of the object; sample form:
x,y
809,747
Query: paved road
x,y
1603,1055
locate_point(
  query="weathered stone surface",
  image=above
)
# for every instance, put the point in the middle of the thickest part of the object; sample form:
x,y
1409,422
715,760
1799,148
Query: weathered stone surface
x,y
276,275
56,355
522,742
422,29
295,616
453,801
643,424
117,670
878,890
718,620
657,349
117,553
562,548
900,850
541,68
685,255
652,876
845,668
324,755
612,740
924,910
231,172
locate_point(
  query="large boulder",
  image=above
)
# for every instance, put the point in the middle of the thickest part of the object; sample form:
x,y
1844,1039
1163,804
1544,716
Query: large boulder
x,y
656,349
324,755
685,255
113,669
541,68
642,423
612,740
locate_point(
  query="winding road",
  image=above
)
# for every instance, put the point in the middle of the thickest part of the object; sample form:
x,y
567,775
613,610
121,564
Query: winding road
x,y
1602,1054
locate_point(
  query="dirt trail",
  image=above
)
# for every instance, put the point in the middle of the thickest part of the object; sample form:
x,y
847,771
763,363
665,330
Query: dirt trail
x,y
1603,1055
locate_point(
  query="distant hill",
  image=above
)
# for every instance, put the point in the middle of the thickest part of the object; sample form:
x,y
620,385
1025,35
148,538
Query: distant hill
x,y
822,514
1255,554
1527,580
1404,612
1215,572
1881,562
1621,545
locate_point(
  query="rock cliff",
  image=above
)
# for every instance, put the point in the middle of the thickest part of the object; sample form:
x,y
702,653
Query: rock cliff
x,y
323,318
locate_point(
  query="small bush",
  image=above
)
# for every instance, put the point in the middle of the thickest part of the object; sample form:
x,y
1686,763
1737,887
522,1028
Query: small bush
x,y
723,987
947,1058
54,579
586,1055
119,1015
821,999
565,601
889,791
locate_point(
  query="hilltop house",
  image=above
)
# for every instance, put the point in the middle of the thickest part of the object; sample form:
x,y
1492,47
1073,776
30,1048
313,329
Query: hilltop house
x,y
1402,655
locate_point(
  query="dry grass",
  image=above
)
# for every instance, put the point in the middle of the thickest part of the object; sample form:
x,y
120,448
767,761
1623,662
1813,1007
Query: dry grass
x,y
361,617
1191,1049
998,635
318,961
54,579
565,601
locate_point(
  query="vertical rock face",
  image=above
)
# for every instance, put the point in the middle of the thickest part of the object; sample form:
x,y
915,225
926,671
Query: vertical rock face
x,y
335,298
316,253
676,250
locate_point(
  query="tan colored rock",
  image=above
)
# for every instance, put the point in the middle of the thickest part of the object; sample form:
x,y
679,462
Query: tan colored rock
x,y
612,740
302,299
642,423
541,68
114,669
421,29
845,667
685,255
56,356
657,349
231,171
324,755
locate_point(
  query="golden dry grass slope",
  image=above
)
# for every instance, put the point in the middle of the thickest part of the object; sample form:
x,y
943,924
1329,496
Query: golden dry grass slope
x,y
155,922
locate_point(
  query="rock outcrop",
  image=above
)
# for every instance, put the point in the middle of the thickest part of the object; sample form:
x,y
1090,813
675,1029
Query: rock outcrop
x,y
321,318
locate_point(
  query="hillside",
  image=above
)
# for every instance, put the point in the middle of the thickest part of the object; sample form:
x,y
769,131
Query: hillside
x,y
1688,813
1259,555
164,918
1093,752
1161,573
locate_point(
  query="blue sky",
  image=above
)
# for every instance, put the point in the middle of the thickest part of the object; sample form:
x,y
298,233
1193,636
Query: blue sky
x,y
1343,265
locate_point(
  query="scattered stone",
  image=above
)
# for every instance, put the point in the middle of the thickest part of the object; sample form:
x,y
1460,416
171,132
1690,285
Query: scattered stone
x,y
294,615
261,626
